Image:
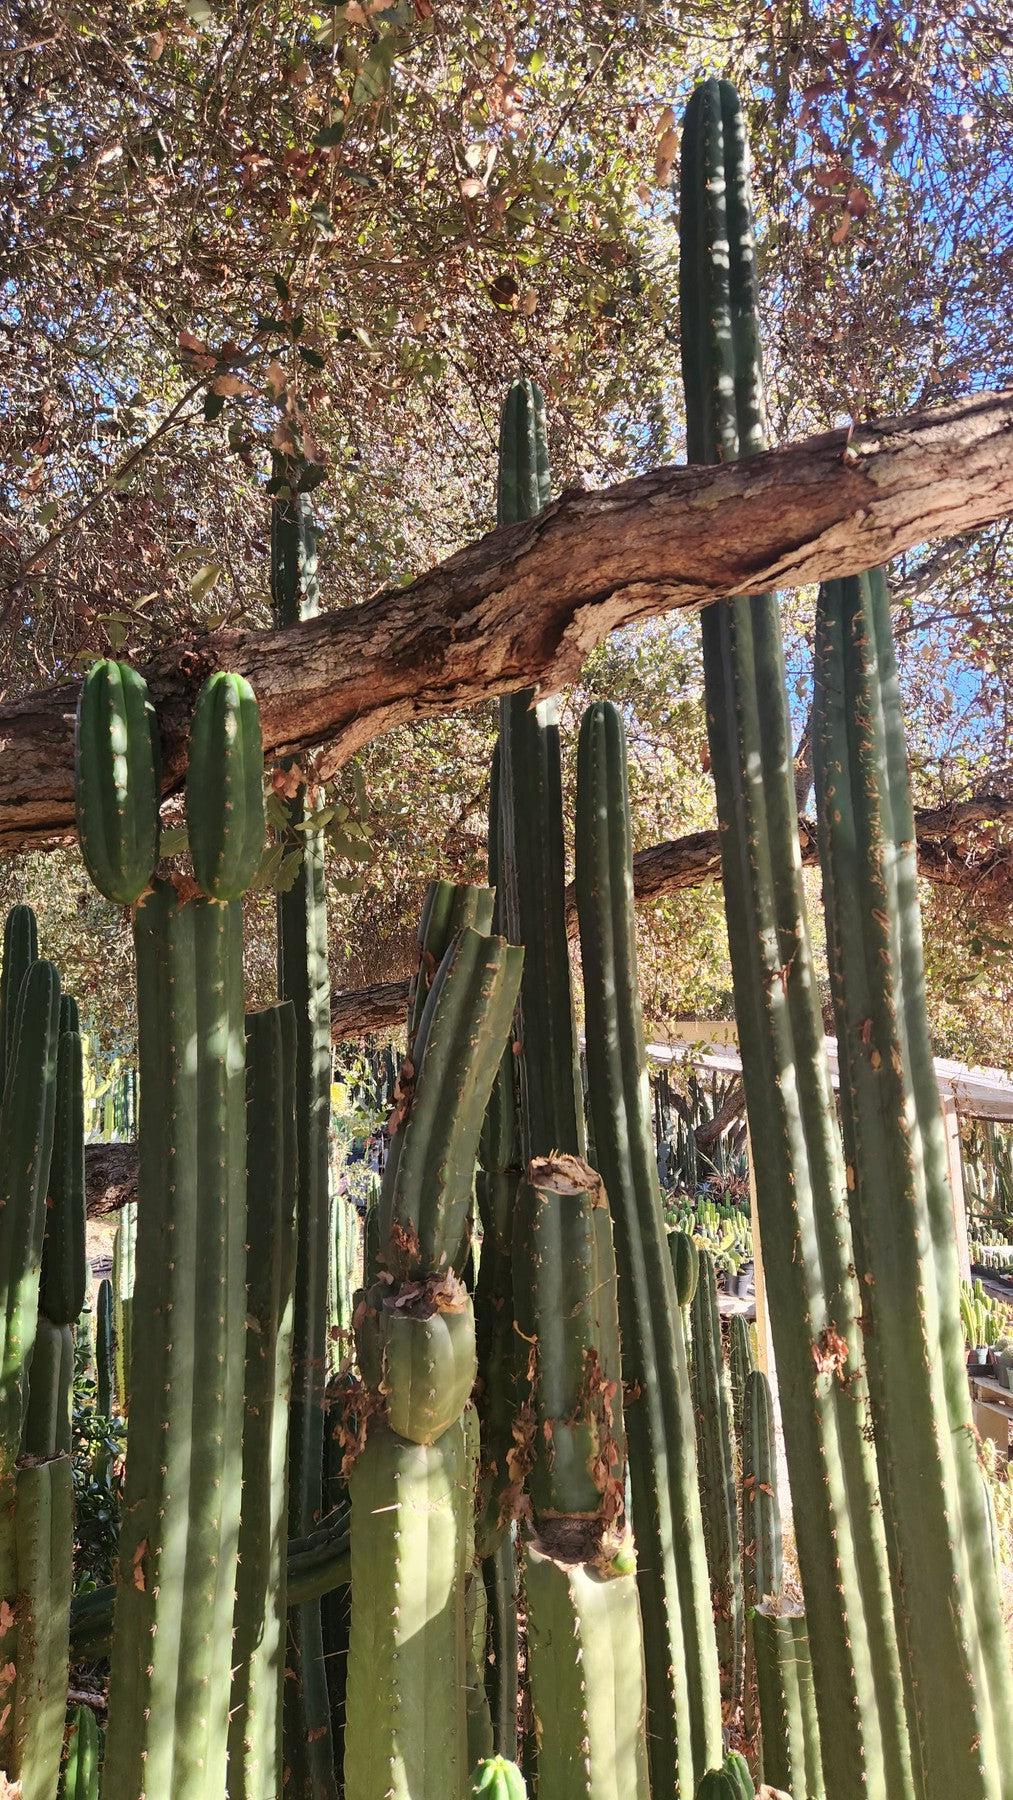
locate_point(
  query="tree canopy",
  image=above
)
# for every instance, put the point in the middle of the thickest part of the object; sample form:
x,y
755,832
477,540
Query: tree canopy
x,y
339,230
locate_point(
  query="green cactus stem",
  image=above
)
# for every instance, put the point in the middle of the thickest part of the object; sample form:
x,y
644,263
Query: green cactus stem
x,y
788,1723
762,1565
258,1655
21,948
318,1564
63,1255
448,909
562,1257
684,1252
35,1645
581,1623
225,787
304,979
80,1777
27,1120
712,1404
741,1362
105,1350
684,1709
405,1735
731,1782
124,1275
954,1652
168,1698
497,1778
117,781
814,1301
412,1487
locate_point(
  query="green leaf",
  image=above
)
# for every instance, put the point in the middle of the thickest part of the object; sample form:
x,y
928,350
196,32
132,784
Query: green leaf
x,y
213,405
288,872
204,580
281,287
313,357
173,842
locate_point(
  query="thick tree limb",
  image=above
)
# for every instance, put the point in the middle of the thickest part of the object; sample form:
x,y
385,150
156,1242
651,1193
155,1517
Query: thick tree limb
x,y
110,1173
526,604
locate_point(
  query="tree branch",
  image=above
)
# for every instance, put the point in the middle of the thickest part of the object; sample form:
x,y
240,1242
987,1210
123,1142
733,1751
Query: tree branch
x,y
526,604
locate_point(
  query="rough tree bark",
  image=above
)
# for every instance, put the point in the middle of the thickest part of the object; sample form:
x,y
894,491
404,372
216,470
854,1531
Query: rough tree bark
x,y
524,605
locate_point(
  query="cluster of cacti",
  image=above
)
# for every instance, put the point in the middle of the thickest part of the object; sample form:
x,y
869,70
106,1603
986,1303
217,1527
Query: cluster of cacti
x,y
721,1227
682,1164
984,1319
341,1512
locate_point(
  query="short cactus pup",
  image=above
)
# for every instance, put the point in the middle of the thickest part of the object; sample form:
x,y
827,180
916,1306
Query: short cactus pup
x,y
412,1482
168,1698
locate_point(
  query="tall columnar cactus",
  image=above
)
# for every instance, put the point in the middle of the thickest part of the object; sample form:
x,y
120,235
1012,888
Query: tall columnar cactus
x,y
562,1244
168,1702
412,1485
117,781
741,1362
124,1276
762,1554
35,1495
814,1302
955,1657
304,979
62,1290
680,1653
789,1728
496,1387
258,1654
105,1350
21,948
712,1403
84,1757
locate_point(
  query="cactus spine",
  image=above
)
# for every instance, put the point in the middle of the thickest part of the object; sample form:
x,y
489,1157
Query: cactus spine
x,y
956,1662
680,1652
304,979
84,1757
258,1655
412,1485
117,781
712,1403
813,1296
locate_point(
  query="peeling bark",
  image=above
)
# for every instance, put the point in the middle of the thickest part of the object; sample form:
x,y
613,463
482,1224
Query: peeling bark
x,y
526,604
